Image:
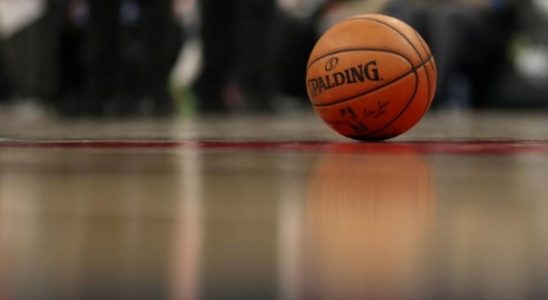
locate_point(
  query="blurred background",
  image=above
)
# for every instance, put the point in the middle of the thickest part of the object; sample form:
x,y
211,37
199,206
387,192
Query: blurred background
x,y
127,58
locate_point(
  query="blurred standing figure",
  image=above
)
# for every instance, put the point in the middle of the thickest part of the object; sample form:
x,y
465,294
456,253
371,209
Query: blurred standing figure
x,y
130,47
29,30
4,85
235,38
468,39
524,81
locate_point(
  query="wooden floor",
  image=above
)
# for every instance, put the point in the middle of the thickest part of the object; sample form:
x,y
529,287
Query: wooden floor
x,y
274,208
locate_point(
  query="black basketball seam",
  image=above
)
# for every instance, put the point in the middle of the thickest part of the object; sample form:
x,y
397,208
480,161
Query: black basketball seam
x,y
387,125
423,63
408,41
435,70
367,136
431,95
425,71
391,27
432,65
412,70
397,117
432,69
355,50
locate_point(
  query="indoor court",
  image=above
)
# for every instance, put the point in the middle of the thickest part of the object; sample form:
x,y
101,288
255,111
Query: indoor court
x,y
273,149
274,207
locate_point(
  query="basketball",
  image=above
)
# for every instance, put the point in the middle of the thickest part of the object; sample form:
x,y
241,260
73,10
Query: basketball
x,y
371,77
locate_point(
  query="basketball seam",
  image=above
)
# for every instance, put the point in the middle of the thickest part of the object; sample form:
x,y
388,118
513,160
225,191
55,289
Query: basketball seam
x,y
423,63
435,70
431,69
412,70
356,50
430,97
408,41
393,28
387,125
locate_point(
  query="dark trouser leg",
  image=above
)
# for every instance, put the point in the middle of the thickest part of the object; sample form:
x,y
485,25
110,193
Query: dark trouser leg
x,y
104,76
293,40
4,83
217,38
161,51
255,20
31,56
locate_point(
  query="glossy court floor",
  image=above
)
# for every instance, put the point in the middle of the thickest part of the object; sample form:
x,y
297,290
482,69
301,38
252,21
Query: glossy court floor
x,y
274,208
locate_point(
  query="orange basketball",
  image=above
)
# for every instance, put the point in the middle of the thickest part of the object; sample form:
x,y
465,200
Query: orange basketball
x,y
371,77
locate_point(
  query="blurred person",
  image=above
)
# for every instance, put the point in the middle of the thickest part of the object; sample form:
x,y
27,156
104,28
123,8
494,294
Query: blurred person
x,y
299,25
129,49
71,54
294,36
467,38
4,85
29,31
236,38
524,81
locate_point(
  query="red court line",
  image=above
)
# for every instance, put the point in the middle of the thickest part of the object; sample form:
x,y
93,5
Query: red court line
x,y
490,147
